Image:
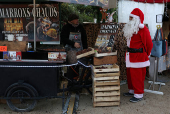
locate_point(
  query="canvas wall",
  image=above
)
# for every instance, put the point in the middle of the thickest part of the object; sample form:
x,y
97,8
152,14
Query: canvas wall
x,y
150,11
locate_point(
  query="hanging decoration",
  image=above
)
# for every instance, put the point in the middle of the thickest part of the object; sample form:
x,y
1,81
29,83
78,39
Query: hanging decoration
x,y
165,16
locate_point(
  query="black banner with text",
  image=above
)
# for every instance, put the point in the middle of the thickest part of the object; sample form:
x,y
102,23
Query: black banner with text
x,y
17,22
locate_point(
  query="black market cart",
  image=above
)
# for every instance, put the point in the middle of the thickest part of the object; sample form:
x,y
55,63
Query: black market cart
x,y
24,82
19,79
28,81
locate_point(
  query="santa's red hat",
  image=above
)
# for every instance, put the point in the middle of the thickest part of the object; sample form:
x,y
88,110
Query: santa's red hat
x,y
137,13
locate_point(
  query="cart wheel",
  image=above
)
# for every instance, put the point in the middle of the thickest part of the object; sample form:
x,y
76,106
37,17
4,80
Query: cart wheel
x,y
21,104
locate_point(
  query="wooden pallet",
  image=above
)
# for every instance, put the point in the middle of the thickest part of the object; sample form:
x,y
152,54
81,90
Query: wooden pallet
x,y
106,86
106,96
115,103
107,93
111,98
105,83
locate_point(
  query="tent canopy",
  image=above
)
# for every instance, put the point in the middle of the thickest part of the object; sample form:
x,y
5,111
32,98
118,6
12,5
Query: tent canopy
x,y
22,1
102,3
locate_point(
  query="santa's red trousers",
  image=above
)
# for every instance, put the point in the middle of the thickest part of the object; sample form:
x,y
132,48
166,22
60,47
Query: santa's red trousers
x,y
135,79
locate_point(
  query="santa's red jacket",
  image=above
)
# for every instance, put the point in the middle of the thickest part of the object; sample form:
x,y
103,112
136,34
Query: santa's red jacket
x,y
140,40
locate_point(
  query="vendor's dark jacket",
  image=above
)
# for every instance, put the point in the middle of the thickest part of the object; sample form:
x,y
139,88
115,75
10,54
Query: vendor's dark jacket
x,y
65,32
169,39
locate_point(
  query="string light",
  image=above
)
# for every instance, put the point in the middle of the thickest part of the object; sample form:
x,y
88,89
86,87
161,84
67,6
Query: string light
x,y
55,66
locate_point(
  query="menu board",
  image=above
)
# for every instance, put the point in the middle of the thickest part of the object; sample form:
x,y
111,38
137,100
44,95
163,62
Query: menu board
x,y
105,40
17,22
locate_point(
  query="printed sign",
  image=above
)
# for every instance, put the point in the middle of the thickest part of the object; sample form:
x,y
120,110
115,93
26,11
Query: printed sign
x,y
17,20
57,56
12,55
3,48
105,39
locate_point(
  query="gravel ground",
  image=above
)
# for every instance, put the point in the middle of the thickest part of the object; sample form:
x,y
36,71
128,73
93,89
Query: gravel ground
x,y
152,104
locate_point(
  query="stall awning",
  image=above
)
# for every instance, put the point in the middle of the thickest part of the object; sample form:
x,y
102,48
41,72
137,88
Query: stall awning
x,y
102,3
86,2
13,1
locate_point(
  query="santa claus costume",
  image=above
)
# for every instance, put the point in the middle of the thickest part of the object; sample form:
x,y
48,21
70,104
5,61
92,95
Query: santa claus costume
x,y
139,45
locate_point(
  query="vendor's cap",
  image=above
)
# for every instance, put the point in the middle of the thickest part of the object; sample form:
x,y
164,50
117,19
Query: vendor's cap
x,y
72,17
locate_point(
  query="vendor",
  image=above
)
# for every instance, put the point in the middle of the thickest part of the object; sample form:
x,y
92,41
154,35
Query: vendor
x,y
73,35
139,46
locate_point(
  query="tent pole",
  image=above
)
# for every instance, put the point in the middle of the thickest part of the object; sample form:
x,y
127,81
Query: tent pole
x,y
34,26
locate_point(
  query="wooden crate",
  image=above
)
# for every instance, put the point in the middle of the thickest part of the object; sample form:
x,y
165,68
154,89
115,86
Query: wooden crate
x,y
104,54
106,95
105,60
86,54
112,70
15,46
106,86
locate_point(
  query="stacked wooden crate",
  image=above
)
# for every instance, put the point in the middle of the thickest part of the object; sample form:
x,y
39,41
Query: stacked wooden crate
x,y
106,85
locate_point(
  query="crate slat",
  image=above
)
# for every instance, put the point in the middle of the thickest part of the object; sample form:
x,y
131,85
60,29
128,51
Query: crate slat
x,y
107,74
107,70
106,88
114,98
106,83
107,78
86,54
106,104
109,93
111,68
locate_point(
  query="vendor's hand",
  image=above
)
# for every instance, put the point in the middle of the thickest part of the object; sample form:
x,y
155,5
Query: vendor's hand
x,y
77,45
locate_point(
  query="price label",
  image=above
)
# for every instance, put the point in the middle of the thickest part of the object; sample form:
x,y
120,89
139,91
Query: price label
x,y
3,48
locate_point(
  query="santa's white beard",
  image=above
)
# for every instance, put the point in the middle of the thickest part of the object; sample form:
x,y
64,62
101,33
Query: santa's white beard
x,y
132,27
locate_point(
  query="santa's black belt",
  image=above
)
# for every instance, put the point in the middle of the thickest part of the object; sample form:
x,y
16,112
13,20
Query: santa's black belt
x,y
133,50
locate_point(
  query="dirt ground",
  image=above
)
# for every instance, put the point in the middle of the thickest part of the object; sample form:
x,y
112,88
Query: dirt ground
x,y
152,103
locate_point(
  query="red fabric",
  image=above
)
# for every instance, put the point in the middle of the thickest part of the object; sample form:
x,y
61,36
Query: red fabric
x,y
166,48
138,13
141,40
135,79
166,43
152,1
